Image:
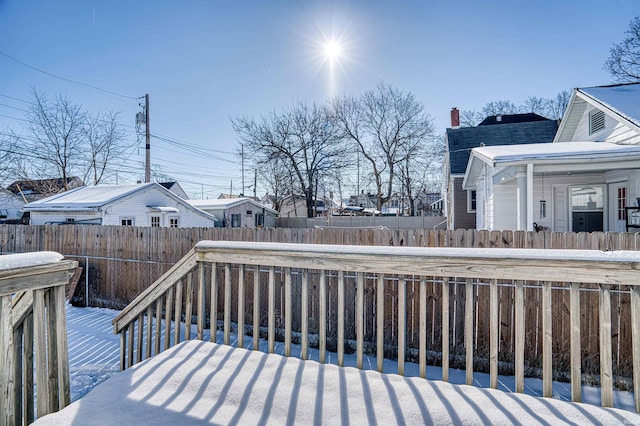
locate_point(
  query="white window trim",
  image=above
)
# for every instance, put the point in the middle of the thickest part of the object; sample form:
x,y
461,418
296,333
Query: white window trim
x,y
132,218
159,220
469,209
170,218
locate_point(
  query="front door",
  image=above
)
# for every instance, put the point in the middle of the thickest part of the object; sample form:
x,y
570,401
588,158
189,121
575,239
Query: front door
x,y
618,200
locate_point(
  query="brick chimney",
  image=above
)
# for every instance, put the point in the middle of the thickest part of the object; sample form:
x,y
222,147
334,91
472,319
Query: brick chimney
x,y
455,118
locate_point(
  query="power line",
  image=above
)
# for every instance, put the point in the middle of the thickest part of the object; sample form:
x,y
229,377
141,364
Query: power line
x,y
15,99
65,79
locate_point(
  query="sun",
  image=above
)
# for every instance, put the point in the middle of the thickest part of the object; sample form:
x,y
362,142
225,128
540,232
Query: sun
x,y
332,50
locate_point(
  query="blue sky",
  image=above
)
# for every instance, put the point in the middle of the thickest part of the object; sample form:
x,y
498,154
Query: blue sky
x,y
204,61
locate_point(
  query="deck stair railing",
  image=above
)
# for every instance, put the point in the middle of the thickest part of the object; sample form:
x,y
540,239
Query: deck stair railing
x,y
225,281
34,361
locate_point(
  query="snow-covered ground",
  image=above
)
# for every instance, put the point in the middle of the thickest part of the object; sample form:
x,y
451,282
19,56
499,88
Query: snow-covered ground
x,y
94,357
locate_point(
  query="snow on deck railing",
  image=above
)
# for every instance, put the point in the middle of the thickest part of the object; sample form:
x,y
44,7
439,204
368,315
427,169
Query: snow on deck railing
x,y
32,319
358,295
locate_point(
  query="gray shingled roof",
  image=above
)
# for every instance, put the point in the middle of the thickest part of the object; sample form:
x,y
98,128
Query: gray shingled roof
x,y
461,141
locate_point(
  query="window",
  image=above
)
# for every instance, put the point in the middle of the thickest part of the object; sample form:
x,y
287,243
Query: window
x,y
236,220
596,121
622,202
174,222
155,221
127,221
471,201
259,220
70,219
249,213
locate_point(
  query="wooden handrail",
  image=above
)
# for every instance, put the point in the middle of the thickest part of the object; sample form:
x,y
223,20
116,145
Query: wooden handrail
x,y
389,271
33,320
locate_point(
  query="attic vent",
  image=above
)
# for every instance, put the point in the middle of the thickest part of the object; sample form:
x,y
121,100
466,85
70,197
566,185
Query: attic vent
x,y
596,121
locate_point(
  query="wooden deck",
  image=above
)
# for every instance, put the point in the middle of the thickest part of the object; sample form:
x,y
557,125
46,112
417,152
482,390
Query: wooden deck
x,y
199,382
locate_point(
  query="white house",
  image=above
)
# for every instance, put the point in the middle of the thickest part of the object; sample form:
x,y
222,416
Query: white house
x,y
148,204
10,206
238,212
583,181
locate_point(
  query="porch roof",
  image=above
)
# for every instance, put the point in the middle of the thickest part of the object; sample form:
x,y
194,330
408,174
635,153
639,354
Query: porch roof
x,y
562,157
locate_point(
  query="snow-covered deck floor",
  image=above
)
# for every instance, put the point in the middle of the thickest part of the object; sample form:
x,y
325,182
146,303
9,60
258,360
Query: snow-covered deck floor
x,y
199,382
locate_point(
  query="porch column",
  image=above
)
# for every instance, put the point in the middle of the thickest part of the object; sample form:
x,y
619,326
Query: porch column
x,y
529,197
524,198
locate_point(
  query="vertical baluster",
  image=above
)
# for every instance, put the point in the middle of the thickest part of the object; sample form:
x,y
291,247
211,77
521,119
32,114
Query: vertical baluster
x,y
201,296
304,315
149,331
380,323
519,335
6,343
158,325
52,351
635,342
140,337
213,320
322,313
402,314
272,310
241,306
422,359
256,308
17,373
360,320
468,329
287,311
130,343
28,396
123,349
547,342
493,333
576,368
63,348
168,310
227,304
188,308
606,374
178,313
340,318
445,329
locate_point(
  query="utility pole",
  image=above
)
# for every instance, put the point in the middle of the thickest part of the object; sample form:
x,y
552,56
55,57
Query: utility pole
x,y
255,183
147,163
242,159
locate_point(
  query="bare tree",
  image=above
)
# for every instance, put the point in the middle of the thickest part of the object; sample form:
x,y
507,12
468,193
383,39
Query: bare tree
x,y
501,107
301,137
470,118
624,57
62,140
388,126
275,177
104,137
536,105
558,105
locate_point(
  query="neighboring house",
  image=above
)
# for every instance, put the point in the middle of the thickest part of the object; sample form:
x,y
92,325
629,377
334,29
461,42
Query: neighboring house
x,y
238,212
10,206
296,206
37,189
583,181
521,129
176,189
148,204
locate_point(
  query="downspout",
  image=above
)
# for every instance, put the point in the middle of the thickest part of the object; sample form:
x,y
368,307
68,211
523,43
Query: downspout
x,y
530,197
21,194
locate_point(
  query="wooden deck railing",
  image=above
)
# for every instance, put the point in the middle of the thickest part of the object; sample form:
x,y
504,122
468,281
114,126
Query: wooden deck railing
x,y
32,320
369,287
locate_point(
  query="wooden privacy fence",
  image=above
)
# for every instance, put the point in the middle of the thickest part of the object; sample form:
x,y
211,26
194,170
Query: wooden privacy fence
x,y
378,275
32,320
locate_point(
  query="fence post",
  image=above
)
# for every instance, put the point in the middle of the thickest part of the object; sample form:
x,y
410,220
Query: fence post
x,y
86,281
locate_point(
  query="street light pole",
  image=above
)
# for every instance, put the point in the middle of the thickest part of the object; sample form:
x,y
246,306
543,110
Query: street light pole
x,y
147,163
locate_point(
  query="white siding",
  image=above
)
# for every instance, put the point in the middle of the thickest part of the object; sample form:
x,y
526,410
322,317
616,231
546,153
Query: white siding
x,y
10,205
223,216
45,218
135,205
614,131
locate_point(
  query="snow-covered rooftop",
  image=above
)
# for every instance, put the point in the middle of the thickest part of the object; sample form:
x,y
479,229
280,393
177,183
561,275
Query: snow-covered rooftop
x,y
223,203
557,151
624,99
87,196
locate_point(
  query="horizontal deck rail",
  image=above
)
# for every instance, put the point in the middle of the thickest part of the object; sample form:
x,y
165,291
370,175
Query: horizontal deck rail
x,y
33,336
370,296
